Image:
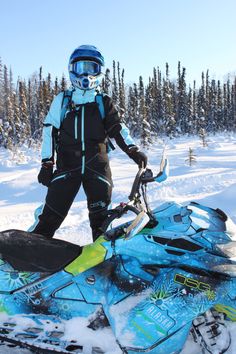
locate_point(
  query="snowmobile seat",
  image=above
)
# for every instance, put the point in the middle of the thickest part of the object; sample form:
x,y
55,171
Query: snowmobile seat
x,y
30,252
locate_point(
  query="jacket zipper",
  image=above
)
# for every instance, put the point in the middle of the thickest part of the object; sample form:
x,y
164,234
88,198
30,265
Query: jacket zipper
x,y
76,124
82,136
82,141
76,127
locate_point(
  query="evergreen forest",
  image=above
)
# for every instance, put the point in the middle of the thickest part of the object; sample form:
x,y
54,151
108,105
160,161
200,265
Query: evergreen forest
x,y
162,107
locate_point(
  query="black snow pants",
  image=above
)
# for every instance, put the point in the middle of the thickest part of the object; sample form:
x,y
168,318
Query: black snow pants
x,y
96,180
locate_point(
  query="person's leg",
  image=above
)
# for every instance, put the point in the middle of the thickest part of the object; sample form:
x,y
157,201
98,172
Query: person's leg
x,y
60,196
98,190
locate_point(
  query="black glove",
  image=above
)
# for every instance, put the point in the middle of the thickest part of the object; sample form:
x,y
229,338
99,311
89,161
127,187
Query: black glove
x,y
46,173
138,156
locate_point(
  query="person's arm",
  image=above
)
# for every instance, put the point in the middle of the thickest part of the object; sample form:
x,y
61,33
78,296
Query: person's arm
x,y
120,132
50,129
51,125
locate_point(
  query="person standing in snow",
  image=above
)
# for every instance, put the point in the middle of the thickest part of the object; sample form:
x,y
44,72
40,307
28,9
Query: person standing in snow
x,y
77,127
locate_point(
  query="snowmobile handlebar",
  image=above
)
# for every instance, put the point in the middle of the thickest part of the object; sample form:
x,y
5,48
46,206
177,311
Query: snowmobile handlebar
x,y
145,175
136,183
114,214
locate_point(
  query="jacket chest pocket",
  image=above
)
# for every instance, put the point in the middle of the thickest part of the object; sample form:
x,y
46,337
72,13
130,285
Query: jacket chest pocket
x,y
93,124
84,124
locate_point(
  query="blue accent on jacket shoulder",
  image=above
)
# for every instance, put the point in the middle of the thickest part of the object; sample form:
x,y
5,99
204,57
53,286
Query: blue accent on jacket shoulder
x,y
125,133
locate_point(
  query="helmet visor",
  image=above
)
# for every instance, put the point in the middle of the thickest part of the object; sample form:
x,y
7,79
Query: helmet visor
x,y
85,67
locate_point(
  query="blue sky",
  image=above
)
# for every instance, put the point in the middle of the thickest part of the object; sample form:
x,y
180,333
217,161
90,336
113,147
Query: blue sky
x,y
140,34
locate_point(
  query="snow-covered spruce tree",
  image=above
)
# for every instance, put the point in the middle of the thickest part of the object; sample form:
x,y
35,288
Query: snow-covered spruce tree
x,y
201,107
40,100
149,105
207,100
226,106
158,120
47,93
1,103
8,113
212,113
152,104
63,83
181,113
231,117
191,159
115,93
233,103
121,91
107,83
17,128
132,115
220,116
194,119
33,106
30,106
203,136
56,88
168,107
145,132
24,114
190,123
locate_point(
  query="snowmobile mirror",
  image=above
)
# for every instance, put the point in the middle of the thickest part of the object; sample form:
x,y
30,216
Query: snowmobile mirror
x,y
137,225
164,171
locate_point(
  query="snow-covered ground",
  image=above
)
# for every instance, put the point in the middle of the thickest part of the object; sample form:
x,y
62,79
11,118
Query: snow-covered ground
x,y
210,181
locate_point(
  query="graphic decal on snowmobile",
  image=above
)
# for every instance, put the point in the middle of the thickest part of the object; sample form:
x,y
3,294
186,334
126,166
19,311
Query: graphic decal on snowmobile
x,y
191,283
228,310
14,280
147,289
161,321
92,255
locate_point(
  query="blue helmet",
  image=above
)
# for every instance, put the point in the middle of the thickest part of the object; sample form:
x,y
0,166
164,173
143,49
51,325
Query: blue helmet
x,y
85,67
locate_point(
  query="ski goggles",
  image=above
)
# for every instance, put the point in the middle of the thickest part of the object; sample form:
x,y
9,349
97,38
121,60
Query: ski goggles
x,y
85,68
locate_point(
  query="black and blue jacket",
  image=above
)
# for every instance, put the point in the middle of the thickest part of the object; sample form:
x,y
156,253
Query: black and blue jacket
x,y
82,129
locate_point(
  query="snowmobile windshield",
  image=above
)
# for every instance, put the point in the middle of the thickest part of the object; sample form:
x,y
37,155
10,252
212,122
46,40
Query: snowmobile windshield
x,y
85,67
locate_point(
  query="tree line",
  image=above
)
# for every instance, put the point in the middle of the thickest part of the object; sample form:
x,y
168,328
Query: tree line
x,y
162,107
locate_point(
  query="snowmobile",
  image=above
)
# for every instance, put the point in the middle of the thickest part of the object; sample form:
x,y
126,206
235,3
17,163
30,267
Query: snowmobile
x,y
152,280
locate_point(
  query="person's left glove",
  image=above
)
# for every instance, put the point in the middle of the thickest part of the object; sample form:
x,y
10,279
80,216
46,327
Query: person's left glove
x,y
46,173
138,156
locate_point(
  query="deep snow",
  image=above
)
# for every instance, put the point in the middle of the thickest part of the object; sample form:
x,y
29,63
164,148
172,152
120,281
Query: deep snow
x,y
210,181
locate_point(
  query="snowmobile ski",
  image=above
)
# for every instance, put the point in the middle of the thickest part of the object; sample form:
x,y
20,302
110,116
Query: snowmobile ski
x,y
210,331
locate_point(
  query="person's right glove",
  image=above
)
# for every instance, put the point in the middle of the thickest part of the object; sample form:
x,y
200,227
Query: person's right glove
x,y
138,156
46,173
